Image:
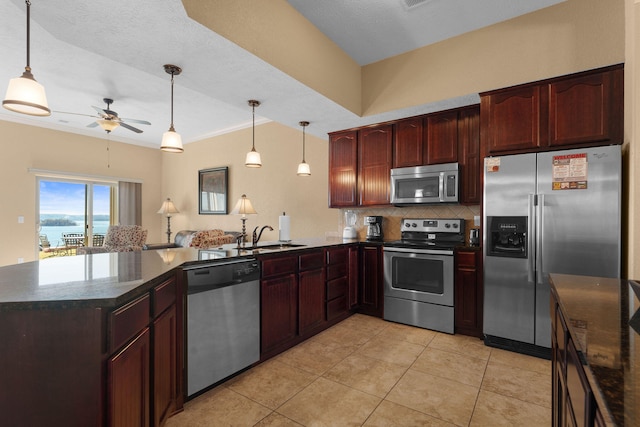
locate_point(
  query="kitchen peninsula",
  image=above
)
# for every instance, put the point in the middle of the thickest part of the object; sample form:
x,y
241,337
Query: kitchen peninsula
x,y
596,350
91,339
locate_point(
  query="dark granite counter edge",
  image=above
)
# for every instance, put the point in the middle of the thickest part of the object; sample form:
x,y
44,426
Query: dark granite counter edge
x,y
598,393
146,285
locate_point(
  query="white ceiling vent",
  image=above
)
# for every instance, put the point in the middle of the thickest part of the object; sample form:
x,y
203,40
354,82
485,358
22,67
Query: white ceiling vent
x,y
410,4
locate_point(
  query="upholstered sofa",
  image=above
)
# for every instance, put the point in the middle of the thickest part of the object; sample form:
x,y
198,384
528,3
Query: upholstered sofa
x,y
119,238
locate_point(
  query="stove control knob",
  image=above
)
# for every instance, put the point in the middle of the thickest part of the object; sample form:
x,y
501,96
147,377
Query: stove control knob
x,y
447,225
414,225
455,225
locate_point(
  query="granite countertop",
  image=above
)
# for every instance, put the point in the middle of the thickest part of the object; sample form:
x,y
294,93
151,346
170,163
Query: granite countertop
x,y
109,279
603,317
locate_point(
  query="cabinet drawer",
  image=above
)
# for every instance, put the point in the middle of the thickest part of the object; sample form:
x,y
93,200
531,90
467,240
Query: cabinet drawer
x,y
336,271
337,256
278,266
311,261
466,259
127,321
164,295
336,307
337,288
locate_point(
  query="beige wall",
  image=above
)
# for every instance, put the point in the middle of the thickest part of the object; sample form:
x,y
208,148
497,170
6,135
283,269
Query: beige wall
x,y
572,36
25,147
272,189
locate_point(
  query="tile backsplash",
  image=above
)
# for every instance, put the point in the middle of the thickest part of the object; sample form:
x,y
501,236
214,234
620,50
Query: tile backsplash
x,y
393,215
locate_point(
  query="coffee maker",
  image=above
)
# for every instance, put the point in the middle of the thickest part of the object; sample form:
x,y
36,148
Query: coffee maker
x,y
374,227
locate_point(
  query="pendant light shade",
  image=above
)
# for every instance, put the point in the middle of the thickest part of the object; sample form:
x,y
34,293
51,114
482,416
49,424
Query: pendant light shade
x,y
171,140
303,168
24,94
253,159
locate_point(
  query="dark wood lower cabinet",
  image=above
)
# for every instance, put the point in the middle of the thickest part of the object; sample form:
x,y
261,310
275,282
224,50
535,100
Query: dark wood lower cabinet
x,y
94,366
279,311
129,383
468,299
371,281
311,300
166,387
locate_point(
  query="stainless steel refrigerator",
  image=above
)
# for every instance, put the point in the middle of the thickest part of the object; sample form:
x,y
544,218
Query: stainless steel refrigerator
x,y
552,212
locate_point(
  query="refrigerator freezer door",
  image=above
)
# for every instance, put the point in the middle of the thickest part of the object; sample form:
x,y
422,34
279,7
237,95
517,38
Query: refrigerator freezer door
x,y
509,283
579,228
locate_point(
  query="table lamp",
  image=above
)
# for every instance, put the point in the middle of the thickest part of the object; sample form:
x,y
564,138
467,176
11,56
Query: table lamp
x,y
168,208
243,207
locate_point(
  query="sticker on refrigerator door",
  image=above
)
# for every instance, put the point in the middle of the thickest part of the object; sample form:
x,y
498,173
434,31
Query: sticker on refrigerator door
x,y
570,172
492,164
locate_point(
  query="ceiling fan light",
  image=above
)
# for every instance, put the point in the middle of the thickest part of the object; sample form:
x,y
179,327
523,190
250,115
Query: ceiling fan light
x,y
304,169
171,142
108,125
253,159
26,96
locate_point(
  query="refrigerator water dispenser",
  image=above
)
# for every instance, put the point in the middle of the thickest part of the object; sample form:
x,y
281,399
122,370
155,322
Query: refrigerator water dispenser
x,y
507,236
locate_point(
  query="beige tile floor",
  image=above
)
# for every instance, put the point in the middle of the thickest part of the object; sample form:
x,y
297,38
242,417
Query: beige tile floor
x,y
369,372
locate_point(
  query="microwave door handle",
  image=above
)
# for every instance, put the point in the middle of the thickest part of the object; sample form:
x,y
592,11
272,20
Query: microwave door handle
x,y
441,185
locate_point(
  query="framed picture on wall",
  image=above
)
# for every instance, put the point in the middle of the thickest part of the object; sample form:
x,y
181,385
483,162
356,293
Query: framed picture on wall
x,y
212,188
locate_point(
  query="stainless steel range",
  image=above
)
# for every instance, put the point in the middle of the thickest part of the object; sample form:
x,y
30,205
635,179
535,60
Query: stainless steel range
x,y
419,273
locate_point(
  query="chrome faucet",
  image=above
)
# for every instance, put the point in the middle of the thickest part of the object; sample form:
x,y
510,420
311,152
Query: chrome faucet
x,y
256,236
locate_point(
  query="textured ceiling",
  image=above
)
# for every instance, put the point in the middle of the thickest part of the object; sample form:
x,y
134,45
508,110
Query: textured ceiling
x,y
84,51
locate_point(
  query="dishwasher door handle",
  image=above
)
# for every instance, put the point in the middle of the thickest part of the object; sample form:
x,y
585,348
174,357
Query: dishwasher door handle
x,y
208,287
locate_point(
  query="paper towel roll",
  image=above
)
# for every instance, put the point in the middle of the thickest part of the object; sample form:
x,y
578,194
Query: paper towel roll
x,y
284,224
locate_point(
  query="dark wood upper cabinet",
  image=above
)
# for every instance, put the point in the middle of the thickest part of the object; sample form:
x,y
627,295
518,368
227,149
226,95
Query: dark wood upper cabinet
x,y
469,155
375,150
582,109
408,147
513,119
442,138
343,169
586,109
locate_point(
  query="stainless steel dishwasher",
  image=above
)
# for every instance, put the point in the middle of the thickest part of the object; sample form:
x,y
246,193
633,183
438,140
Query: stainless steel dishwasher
x,y
223,321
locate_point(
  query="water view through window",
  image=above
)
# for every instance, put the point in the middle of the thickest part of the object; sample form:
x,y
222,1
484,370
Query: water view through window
x,y
73,208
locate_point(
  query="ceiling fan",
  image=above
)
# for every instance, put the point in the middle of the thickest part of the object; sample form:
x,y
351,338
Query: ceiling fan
x,y
109,119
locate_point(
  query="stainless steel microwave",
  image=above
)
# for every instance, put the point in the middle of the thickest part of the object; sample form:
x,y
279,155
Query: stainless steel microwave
x,y
425,184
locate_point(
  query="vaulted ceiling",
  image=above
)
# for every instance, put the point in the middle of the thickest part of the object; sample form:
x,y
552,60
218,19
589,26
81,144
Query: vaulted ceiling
x,y
83,52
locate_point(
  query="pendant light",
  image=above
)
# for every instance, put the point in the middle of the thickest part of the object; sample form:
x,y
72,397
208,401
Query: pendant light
x,y
171,140
303,168
253,157
24,94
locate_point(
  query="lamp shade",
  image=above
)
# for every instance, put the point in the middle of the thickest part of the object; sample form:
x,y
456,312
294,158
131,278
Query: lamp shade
x,y
171,142
168,208
243,207
253,159
26,96
304,169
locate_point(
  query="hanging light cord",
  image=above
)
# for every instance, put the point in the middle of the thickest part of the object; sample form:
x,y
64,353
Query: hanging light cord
x,y
171,129
253,134
303,144
28,67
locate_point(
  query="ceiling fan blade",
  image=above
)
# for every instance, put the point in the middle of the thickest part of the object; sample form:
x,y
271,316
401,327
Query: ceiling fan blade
x,y
142,122
99,110
124,125
92,124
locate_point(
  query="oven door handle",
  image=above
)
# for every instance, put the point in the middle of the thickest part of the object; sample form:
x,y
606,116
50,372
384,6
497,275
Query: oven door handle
x,y
418,251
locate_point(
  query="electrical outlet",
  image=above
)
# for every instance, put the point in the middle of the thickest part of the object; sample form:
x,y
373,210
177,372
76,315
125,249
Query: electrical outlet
x,y
20,260
476,220
20,219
